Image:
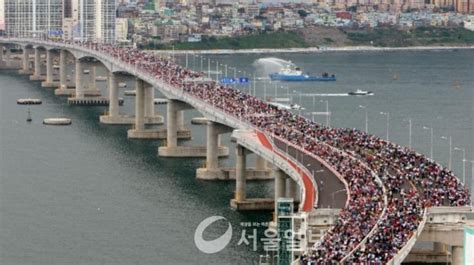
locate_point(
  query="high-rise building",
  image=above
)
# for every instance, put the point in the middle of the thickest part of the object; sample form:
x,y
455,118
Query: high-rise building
x,y
33,18
92,20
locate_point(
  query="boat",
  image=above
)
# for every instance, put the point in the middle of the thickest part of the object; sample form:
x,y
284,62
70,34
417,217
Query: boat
x,y
285,106
360,92
294,73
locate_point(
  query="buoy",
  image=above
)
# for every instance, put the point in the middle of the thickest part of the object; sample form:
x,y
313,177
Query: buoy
x,y
28,101
28,118
57,121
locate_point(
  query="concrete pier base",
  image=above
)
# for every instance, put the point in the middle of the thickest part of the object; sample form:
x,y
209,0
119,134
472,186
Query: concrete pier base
x,y
88,101
53,84
25,72
254,204
70,92
128,120
37,77
229,174
190,151
157,134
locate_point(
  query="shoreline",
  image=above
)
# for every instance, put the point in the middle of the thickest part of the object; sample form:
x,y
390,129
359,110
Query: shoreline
x,y
313,50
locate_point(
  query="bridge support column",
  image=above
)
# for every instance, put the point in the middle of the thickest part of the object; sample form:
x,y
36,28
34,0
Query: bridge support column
x,y
173,132
37,67
141,99
439,247
1,54
93,78
140,105
211,171
49,71
292,191
280,184
114,118
457,255
62,73
240,201
25,69
8,57
79,86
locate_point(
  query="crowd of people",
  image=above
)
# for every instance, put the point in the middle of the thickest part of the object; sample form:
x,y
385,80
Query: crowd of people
x,y
410,181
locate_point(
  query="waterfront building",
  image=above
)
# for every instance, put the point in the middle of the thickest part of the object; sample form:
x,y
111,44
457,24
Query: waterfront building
x,y
92,20
33,18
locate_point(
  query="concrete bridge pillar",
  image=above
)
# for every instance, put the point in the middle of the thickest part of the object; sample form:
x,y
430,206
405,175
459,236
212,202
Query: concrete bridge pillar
x,y
93,78
457,255
49,82
280,184
49,66
439,247
292,191
211,171
79,86
240,176
25,62
113,95
150,101
173,132
172,124
260,163
240,201
8,57
139,105
1,53
37,66
62,70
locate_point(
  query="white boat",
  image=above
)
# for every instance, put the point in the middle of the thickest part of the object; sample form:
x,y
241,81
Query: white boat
x,y
285,106
122,85
86,71
360,92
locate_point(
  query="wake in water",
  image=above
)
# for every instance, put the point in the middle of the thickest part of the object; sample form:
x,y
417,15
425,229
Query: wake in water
x,y
268,65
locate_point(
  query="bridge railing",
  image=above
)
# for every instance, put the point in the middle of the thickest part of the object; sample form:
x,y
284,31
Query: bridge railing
x,y
133,68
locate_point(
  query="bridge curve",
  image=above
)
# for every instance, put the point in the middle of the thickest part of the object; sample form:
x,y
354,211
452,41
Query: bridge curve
x,y
375,172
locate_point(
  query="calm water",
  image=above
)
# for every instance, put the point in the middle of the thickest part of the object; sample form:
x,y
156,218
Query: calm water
x,y
84,194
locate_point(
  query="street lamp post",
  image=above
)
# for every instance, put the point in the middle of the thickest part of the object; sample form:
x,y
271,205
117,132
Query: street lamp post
x,y
388,123
450,150
366,118
431,140
463,162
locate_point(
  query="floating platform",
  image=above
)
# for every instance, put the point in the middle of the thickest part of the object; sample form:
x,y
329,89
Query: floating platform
x,y
199,121
57,121
160,101
130,93
91,101
29,101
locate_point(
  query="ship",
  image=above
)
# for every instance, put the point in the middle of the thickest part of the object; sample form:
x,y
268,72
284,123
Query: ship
x,y
359,92
294,73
